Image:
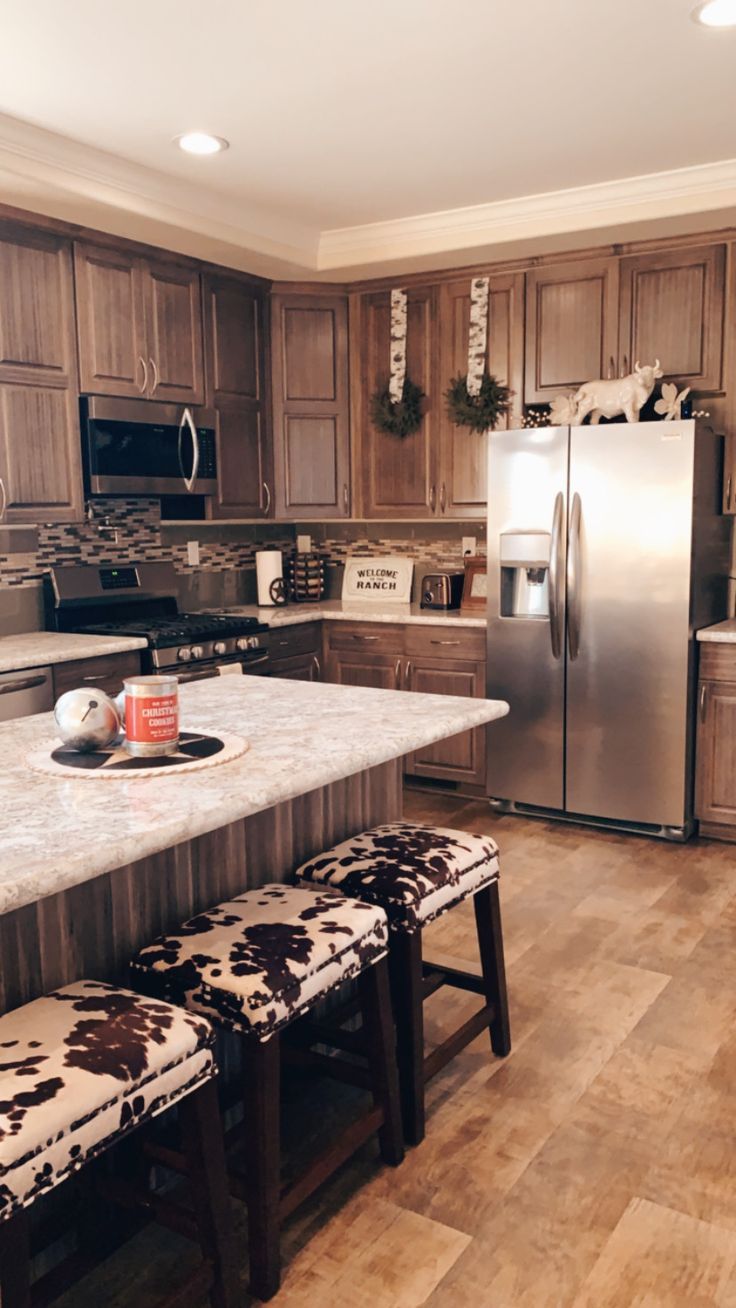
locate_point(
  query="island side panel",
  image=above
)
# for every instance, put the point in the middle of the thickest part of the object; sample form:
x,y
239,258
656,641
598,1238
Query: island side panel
x,y
93,929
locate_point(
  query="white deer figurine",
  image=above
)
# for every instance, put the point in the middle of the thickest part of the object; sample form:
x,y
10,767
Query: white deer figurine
x,y
609,398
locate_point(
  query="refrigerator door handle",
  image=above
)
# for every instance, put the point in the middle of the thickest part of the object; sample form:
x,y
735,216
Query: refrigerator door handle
x,y
573,579
555,608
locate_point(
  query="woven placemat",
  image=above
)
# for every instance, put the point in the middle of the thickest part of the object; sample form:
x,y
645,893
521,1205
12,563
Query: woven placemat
x,y
195,752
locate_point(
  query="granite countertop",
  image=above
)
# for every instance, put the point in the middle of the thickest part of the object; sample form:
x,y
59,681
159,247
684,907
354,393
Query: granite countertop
x,y
57,833
336,610
723,632
35,649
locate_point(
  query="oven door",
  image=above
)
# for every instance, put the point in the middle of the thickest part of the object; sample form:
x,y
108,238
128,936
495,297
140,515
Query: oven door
x,y
135,447
248,666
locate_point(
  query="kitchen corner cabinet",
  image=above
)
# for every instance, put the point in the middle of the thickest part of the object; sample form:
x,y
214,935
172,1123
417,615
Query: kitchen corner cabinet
x,y
139,323
463,454
311,418
235,317
40,467
715,784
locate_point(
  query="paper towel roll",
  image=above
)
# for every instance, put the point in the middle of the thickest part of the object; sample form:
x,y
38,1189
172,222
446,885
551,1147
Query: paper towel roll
x,y
269,566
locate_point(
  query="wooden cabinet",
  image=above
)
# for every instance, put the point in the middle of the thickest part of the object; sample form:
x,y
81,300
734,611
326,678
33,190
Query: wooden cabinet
x,y
296,652
399,476
40,466
715,784
235,316
311,420
139,326
571,326
463,455
364,654
104,673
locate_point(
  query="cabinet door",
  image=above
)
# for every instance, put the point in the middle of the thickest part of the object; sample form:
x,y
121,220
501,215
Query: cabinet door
x,y
40,473
361,668
716,753
461,757
173,299
571,326
243,461
310,405
110,322
297,667
399,475
463,458
672,310
234,337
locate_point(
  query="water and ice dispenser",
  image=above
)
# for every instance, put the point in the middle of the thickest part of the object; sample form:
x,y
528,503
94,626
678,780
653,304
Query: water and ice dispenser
x,y
524,558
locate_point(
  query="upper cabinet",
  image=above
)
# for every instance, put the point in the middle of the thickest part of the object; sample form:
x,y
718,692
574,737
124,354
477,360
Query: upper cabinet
x,y
571,326
311,420
139,326
463,454
236,315
40,473
672,310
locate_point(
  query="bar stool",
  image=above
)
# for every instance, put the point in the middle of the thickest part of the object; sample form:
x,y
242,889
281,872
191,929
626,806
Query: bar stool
x,y
255,965
80,1069
416,874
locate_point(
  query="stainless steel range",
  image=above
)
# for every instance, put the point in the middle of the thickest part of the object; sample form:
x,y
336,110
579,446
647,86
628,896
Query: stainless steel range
x,y
140,600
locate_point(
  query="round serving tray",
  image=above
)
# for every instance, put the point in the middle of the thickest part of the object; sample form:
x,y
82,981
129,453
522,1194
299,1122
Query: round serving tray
x,y
195,752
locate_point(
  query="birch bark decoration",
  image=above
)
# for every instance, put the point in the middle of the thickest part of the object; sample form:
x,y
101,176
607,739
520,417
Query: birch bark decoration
x,y
398,346
478,334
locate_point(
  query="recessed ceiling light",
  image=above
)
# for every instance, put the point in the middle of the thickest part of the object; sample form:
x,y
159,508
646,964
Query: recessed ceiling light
x,y
201,143
716,13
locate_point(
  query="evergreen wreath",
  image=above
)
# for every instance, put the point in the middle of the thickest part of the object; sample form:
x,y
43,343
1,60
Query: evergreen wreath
x,y
478,412
398,419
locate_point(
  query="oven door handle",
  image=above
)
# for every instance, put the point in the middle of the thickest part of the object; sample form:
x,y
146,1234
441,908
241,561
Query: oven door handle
x,y
205,675
251,663
188,421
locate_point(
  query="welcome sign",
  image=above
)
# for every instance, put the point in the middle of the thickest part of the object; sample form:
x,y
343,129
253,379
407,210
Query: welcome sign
x,y
375,580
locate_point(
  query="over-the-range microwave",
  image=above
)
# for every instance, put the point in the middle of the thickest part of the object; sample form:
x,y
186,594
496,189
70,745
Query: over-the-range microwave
x,y
137,447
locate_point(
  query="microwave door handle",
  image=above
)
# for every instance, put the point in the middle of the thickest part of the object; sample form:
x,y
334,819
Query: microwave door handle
x,y
188,421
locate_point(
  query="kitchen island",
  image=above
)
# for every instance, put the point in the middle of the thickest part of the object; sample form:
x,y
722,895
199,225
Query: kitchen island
x,y
91,869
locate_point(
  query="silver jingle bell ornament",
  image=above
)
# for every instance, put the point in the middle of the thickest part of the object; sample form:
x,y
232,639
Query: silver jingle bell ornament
x,y
87,719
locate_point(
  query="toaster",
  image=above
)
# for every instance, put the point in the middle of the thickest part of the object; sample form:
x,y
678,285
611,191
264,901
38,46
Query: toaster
x,y
442,590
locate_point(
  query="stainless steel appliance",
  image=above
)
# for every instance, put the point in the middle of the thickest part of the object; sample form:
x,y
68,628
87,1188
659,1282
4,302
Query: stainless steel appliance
x,y
140,600
25,692
136,447
606,552
442,590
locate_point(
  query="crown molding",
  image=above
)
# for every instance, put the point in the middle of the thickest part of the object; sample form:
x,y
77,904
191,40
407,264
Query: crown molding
x,y
699,189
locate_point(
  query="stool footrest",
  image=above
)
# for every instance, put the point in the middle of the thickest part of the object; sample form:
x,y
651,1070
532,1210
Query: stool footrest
x,y
445,1052
330,1159
437,975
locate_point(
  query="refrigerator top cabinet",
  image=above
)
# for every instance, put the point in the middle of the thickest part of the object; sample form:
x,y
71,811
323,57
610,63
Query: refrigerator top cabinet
x,y
606,552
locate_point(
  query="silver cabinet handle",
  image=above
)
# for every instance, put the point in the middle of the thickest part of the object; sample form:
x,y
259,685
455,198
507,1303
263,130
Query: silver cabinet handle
x,y
611,368
144,380
99,676
357,636
267,489
433,497
188,421
555,613
25,683
5,498
703,700
443,497
407,675
345,498
397,673
444,642
573,580
317,668
154,370
728,494
625,368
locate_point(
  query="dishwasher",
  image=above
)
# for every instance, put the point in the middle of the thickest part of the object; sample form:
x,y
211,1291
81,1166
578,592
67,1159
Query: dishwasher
x,y
26,692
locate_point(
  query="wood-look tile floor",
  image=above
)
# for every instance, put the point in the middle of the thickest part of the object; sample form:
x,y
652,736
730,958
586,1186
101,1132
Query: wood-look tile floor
x,y
596,1166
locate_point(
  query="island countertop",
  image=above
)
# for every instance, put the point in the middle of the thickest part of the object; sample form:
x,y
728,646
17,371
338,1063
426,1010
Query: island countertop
x,y
58,833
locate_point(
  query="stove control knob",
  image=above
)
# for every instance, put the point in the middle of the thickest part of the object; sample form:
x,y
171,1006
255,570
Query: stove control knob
x,y
242,643
219,647
254,642
197,651
184,654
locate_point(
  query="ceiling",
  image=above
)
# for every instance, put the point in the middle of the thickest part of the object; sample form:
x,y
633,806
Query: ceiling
x,y
366,136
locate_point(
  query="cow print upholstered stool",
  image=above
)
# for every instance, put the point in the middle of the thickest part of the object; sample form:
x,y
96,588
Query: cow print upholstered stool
x,y
417,873
255,965
80,1069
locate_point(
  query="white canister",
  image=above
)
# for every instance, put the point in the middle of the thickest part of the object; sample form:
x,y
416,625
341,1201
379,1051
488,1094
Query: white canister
x,y
269,569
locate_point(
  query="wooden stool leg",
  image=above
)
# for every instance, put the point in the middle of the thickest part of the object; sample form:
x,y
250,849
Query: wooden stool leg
x,y
378,1021
263,1164
490,943
204,1152
15,1262
407,994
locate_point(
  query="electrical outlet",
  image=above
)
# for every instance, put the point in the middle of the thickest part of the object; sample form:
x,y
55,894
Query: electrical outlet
x,y
192,553
304,544
468,545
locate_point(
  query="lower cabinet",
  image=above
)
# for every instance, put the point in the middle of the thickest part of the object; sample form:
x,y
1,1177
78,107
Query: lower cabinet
x,y
103,673
715,787
296,652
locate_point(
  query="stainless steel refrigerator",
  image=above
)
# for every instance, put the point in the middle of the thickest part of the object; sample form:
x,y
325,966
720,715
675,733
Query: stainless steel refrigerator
x,y
607,550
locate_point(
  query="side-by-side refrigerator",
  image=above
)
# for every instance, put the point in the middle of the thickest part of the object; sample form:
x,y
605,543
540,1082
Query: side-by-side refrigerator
x,y
607,550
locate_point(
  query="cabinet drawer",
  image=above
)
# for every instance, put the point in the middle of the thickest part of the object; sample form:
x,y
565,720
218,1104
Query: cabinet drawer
x,y
717,661
104,673
378,637
446,641
302,639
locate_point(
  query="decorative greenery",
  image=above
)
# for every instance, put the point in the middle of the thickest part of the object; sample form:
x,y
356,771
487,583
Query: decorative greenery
x,y
478,412
402,418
